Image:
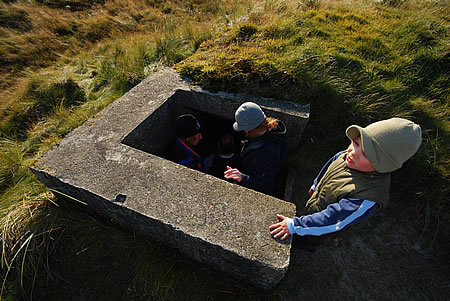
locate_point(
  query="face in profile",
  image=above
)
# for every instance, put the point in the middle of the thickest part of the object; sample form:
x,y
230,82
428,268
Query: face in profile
x,y
356,159
194,140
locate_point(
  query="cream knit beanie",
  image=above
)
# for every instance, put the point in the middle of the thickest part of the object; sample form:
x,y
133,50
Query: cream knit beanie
x,y
388,143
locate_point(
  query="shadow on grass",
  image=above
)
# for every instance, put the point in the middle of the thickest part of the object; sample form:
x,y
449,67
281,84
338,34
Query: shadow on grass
x,y
91,258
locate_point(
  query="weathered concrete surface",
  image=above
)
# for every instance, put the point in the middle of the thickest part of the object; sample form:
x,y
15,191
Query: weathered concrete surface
x,y
216,223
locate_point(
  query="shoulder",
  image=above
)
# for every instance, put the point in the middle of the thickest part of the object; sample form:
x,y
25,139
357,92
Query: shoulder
x,y
176,151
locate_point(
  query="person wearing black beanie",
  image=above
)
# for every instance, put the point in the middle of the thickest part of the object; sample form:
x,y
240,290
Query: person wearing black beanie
x,y
184,151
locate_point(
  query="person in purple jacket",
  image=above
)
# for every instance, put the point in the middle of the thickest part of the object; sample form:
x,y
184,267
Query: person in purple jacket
x,y
354,184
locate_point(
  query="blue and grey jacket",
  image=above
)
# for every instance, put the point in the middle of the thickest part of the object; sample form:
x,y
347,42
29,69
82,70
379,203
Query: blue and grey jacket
x,y
336,217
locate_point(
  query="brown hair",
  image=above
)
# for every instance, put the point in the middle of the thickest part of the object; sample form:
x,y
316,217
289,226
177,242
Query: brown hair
x,y
267,125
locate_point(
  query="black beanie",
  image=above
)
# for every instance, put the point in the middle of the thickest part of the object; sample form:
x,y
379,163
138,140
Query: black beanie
x,y
187,126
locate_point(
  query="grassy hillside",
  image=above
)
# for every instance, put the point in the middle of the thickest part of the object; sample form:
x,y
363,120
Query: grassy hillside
x,y
355,62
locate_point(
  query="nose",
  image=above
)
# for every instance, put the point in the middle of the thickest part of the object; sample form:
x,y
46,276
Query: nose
x,y
350,149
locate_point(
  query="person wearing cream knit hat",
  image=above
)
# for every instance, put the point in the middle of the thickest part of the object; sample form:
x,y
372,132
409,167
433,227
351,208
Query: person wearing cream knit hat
x,y
388,143
354,184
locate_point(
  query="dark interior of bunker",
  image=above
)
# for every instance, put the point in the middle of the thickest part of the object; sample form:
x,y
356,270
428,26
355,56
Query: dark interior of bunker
x,y
212,128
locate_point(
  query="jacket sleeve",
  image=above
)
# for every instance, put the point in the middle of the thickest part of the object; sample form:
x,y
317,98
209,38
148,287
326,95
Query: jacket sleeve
x,y
324,169
334,218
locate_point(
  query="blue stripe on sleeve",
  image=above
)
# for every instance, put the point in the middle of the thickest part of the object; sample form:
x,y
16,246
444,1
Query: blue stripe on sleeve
x,y
335,217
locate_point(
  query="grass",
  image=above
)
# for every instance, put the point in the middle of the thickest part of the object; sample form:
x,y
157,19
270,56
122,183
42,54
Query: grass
x,y
36,233
361,65
35,34
355,62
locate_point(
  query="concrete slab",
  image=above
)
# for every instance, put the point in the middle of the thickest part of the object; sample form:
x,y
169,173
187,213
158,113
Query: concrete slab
x,y
113,163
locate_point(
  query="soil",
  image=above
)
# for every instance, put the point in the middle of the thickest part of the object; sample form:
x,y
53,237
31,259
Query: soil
x,y
388,259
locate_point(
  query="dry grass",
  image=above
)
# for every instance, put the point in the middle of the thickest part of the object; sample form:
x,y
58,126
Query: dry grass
x,y
34,35
99,52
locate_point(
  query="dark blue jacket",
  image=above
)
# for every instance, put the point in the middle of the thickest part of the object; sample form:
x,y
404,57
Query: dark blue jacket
x,y
182,154
262,159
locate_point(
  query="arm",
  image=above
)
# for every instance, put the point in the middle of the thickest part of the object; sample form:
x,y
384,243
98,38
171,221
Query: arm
x,y
334,218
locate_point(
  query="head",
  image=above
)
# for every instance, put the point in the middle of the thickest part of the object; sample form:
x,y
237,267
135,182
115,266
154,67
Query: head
x,y
251,119
225,144
188,129
385,144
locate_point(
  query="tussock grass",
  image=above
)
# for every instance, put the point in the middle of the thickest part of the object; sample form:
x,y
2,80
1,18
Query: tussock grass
x,y
11,157
35,34
37,234
15,18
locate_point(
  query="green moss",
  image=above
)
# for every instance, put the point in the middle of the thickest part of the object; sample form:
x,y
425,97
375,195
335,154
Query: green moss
x,y
244,32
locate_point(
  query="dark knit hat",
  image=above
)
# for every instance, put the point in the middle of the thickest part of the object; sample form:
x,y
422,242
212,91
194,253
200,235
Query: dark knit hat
x,y
187,126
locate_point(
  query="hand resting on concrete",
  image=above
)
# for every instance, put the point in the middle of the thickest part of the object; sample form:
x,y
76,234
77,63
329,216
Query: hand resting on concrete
x,y
280,229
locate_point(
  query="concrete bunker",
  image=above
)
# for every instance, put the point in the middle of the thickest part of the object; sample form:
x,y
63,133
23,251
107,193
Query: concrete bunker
x,y
107,165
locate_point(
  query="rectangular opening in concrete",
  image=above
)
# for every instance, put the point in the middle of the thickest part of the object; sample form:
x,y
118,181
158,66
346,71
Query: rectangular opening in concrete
x,y
216,116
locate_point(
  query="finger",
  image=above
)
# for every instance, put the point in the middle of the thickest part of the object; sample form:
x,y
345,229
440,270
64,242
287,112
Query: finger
x,y
273,226
276,230
281,217
285,236
228,167
279,234
228,173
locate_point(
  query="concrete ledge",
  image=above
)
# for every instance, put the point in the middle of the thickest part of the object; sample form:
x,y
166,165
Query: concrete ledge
x,y
113,164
